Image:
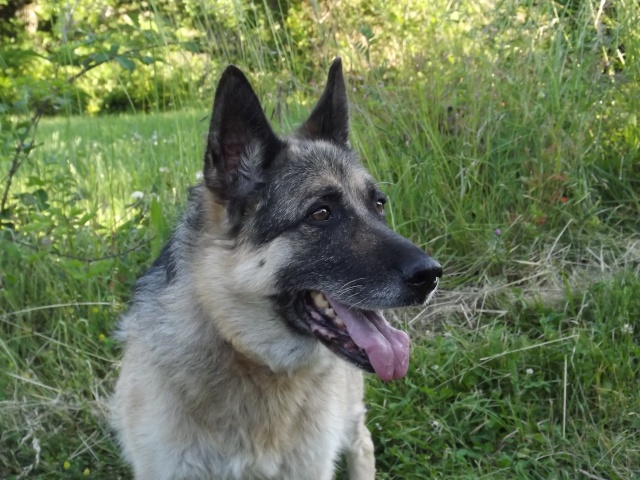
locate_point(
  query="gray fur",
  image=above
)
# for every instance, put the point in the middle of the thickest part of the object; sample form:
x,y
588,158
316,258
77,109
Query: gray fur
x,y
221,377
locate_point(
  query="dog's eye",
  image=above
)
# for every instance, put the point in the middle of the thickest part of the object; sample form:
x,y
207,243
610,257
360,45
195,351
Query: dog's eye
x,y
321,215
380,206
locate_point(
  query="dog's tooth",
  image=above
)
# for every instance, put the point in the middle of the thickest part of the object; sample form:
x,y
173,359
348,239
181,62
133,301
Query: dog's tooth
x,y
329,312
338,321
320,300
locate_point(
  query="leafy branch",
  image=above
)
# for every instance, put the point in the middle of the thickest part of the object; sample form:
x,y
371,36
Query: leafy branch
x,y
67,57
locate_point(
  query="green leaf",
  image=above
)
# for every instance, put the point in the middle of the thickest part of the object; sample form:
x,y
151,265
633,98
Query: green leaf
x,y
34,181
147,60
12,54
157,218
193,46
42,199
366,31
135,19
152,37
85,218
97,58
125,62
38,199
158,221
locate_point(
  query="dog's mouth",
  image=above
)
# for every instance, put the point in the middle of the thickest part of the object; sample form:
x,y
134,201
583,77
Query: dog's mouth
x,y
363,337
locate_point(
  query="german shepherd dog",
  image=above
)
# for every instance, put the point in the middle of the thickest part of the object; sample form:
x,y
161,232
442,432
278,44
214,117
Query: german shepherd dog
x,y
247,338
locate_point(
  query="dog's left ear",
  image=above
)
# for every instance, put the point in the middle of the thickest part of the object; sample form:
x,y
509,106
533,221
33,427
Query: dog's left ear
x,y
240,143
329,120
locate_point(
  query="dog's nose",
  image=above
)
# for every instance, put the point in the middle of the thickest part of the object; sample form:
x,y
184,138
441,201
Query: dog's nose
x,y
422,274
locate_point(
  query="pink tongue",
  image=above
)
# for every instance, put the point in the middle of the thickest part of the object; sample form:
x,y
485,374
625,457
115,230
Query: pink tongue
x,y
386,347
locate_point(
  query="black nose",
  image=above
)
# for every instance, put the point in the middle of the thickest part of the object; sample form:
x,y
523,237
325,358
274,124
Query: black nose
x,y
422,274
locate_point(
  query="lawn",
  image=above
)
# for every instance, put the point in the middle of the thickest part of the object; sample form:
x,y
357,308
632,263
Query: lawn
x,y
516,164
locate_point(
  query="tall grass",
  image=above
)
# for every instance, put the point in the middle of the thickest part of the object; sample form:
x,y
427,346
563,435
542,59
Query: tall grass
x,y
505,134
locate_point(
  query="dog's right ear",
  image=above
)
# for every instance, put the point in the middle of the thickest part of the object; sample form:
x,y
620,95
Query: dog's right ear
x,y
241,142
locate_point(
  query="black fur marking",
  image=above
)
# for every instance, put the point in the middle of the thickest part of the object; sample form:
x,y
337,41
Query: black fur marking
x,y
166,262
292,190
357,260
231,170
329,120
194,218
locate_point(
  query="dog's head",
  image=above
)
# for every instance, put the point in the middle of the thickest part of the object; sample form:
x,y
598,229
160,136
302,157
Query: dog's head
x,y
299,249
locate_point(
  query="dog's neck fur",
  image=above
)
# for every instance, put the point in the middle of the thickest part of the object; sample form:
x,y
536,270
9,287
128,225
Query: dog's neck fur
x,y
214,327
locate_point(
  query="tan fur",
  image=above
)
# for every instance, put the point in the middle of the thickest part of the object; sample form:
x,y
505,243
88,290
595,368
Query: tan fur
x,y
253,425
230,372
235,400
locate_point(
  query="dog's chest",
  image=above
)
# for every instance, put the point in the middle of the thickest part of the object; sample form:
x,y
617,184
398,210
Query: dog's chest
x,y
283,431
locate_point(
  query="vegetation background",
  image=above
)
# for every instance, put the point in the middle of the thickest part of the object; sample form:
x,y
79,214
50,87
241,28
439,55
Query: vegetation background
x,y
505,133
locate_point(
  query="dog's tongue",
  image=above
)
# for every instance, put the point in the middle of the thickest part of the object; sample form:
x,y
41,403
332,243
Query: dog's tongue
x,y
386,347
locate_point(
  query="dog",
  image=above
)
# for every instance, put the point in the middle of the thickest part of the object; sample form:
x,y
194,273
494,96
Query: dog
x,y
246,340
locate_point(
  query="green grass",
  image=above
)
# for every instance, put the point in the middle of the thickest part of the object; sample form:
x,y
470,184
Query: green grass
x,y
490,402
507,150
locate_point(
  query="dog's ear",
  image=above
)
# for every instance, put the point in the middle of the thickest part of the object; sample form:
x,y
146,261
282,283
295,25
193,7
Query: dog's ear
x,y
241,142
329,120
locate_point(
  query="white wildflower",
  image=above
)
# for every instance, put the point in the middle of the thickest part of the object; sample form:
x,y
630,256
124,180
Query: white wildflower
x,y
478,392
435,367
626,328
436,425
529,371
163,170
137,195
199,175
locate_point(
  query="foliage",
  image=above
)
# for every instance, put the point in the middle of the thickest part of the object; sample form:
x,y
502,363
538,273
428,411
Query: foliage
x,y
504,132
